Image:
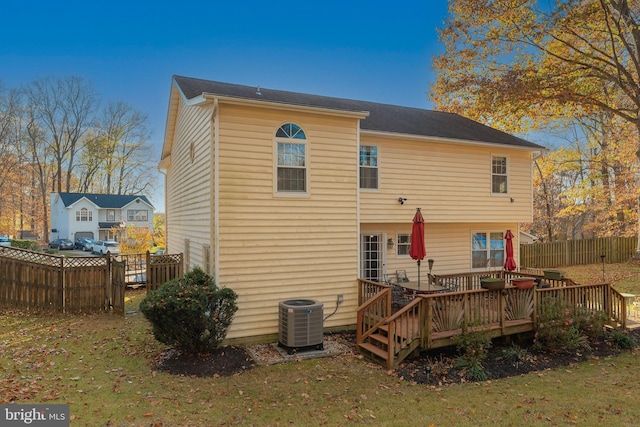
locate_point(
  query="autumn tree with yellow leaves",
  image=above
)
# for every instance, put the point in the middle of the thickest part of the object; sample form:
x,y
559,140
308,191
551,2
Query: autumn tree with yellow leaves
x,y
569,65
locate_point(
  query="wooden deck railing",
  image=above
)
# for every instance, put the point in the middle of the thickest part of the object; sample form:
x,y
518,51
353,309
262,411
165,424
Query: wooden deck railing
x,y
432,320
375,309
471,281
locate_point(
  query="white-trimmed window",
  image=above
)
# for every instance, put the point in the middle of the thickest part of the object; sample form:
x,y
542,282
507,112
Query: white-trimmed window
x,y
369,166
291,154
137,215
404,244
499,175
487,250
84,214
111,214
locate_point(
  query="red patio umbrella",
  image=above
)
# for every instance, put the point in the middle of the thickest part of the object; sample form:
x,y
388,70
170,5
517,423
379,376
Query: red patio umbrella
x,y
510,262
417,249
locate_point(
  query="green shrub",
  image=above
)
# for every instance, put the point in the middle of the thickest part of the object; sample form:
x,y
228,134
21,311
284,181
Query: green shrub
x,y
473,346
623,340
190,313
31,245
568,329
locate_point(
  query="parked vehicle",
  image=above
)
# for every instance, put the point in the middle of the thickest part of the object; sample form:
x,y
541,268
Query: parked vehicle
x,y
88,245
61,244
101,247
4,241
84,243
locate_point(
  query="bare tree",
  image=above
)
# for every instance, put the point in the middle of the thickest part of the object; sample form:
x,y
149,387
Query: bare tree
x,y
117,156
62,110
9,158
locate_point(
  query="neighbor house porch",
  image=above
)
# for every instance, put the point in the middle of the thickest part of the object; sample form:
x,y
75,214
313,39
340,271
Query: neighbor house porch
x,y
431,320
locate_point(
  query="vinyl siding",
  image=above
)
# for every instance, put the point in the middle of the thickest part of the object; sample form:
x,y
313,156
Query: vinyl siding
x,y
273,247
450,182
189,184
448,244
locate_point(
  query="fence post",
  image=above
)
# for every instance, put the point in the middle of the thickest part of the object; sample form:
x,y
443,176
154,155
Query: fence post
x,y
62,295
148,274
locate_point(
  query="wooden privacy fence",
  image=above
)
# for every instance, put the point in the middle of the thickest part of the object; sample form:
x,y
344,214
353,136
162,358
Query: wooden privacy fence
x,y
38,281
577,252
162,268
151,270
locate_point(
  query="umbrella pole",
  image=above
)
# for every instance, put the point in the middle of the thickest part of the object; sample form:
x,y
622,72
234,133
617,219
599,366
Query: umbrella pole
x,y
418,274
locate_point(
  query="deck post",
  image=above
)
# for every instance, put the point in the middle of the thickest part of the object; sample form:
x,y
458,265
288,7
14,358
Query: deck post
x,y
501,309
391,347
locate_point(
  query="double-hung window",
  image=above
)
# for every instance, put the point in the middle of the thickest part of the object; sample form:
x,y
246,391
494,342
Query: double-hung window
x,y
291,146
499,175
404,244
487,250
368,166
137,215
84,214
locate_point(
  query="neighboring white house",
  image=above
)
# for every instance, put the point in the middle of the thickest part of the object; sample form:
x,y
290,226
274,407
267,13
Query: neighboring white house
x,y
81,215
527,238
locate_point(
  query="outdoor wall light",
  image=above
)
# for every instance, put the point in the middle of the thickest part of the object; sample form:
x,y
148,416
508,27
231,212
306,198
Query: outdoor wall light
x,y
390,243
402,200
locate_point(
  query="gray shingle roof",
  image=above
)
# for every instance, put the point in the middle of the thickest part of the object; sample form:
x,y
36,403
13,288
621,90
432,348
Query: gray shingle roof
x,y
382,117
107,201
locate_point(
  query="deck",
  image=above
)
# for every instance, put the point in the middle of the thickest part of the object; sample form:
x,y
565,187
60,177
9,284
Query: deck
x,y
388,333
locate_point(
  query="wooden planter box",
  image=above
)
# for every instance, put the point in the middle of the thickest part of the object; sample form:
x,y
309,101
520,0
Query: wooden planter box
x,y
553,274
523,282
492,283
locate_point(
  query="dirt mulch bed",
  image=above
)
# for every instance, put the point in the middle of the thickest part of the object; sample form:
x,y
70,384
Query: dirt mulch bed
x,y
433,368
438,367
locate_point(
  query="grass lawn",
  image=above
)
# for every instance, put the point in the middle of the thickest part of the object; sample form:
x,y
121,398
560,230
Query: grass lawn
x,y
102,366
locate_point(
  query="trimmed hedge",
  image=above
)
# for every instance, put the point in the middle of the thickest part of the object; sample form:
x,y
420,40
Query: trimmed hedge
x,y
190,313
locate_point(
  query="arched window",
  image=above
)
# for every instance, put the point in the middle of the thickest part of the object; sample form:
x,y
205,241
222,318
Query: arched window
x,y
291,147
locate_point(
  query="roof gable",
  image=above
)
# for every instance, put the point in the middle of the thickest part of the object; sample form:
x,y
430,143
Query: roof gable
x,y
381,117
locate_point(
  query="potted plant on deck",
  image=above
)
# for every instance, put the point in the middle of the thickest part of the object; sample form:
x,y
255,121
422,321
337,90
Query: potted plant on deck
x,y
523,282
492,283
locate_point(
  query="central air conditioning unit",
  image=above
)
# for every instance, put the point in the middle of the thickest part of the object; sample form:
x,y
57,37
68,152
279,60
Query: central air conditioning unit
x,y
300,324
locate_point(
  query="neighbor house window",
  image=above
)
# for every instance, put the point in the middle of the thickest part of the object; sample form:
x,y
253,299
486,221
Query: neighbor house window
x,y
368,166
499,175
137,215
404,244
111,214
84,214
487,250
291,175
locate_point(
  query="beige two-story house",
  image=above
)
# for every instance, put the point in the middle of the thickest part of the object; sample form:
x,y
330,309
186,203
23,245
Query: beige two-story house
x,y
284,195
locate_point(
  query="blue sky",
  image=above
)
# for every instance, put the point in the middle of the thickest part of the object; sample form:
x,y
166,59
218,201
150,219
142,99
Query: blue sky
x,y
368,50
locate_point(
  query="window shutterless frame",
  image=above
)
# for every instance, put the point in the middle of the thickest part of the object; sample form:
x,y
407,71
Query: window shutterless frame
x,y
499,175
291,160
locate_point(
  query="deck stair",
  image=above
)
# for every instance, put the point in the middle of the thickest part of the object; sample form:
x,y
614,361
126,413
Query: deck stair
x,y
376,347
